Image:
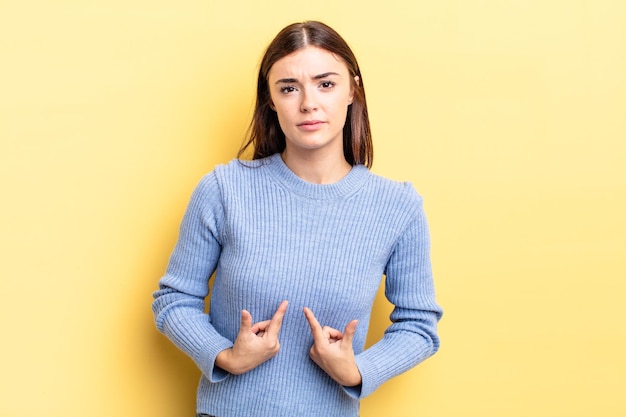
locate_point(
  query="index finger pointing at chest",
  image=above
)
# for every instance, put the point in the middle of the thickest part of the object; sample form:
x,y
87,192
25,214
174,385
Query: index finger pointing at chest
x,y
316,328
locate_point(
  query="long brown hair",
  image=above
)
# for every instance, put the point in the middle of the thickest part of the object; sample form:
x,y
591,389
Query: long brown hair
x,y
265,134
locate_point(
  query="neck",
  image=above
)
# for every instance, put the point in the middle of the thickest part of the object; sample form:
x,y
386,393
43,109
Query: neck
x,y
317,168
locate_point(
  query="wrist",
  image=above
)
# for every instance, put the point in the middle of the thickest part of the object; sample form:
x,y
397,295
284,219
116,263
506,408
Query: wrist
x,y
354,379
223,360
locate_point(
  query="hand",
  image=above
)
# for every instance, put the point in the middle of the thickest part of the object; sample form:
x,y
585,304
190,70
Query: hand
x,y
332,351
255,343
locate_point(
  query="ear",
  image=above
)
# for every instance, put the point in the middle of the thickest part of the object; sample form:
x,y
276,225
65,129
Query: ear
x,y
271,104
356,82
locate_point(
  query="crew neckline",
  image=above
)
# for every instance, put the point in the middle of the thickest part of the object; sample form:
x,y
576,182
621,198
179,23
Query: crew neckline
x,y
347,185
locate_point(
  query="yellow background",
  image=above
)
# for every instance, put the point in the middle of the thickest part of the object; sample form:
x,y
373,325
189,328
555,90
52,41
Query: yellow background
x,y
508,116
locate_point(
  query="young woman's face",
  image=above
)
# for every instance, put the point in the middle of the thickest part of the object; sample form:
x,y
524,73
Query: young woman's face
x,y
310,91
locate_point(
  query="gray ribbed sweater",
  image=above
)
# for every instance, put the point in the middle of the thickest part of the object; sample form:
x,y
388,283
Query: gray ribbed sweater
x,y
271,236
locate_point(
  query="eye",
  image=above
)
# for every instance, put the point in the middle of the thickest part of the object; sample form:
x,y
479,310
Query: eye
x,y
287,89
327,85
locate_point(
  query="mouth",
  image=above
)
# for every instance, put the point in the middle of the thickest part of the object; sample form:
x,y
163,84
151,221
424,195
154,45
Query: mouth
x,y
310,123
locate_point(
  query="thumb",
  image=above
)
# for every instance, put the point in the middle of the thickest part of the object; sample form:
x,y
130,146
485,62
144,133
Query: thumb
x,y
349,331
246,321
316,328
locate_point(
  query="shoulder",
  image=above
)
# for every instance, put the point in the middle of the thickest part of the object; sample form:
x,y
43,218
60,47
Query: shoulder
x,y
400,194
231,180
395,204
213,183
231,171
239,169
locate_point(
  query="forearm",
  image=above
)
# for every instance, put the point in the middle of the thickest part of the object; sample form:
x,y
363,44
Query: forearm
x,y
404,345
182,319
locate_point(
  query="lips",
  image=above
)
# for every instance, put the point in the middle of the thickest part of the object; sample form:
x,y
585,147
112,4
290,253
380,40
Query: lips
x,y
310,122
310,125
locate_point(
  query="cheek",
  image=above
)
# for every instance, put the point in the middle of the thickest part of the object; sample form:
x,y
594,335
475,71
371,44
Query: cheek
x,y
340,107
282,106
347,98
282,113
283,119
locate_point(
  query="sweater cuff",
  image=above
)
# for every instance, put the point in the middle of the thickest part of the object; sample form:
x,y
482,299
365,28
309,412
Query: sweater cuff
x,y
206,360
369,379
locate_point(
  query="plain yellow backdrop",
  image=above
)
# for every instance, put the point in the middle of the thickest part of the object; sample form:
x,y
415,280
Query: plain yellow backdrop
x,y
508,116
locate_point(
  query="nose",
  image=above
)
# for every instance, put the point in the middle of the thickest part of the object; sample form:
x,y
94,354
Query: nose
x,y
308,103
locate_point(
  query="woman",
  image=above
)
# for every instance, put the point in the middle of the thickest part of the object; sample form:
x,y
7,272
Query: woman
x,y
299,239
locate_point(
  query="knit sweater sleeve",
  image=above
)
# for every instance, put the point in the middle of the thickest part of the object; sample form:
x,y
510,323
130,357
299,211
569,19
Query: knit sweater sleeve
x,y
412,336
178,305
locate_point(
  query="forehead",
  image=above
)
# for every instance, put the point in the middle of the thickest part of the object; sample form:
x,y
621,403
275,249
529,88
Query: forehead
x,y
308,62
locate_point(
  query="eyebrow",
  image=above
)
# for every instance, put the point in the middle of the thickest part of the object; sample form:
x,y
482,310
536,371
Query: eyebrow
x,y
317,77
